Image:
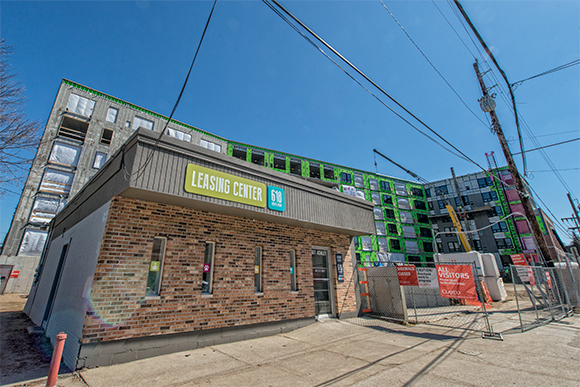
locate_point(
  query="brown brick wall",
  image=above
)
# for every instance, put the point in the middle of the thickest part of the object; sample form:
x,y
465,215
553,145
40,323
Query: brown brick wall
x,y
119,310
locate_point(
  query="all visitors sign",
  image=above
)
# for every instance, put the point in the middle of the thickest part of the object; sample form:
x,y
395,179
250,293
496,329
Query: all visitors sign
x,y
456,281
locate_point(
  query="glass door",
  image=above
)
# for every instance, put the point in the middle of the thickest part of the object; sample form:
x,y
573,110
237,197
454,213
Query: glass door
x,y
321,277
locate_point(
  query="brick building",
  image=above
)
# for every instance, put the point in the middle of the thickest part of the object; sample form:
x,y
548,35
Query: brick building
x,y
171,247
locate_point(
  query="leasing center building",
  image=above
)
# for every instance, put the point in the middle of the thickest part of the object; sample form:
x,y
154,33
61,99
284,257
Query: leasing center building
x,y
171,246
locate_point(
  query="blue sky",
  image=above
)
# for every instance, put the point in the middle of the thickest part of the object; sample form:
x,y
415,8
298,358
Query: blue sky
x,y
258,81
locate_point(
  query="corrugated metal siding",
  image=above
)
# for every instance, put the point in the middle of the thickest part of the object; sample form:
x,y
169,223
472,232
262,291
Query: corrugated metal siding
x,y
165,173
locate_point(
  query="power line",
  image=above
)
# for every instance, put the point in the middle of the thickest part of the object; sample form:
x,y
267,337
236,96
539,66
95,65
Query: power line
x,y
548,146
450,25
555,69
490,54
335,52
553,134
142,168
432,65
273,8
561,169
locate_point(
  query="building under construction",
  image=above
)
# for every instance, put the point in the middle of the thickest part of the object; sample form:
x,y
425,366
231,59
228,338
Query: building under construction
x,y
86,127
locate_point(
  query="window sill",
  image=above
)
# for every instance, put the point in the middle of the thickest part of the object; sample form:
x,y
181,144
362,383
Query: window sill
x,y
148,298
206,295
259,293
294,292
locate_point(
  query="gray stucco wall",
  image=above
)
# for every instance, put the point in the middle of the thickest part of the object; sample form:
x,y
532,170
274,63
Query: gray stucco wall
x,y
72,297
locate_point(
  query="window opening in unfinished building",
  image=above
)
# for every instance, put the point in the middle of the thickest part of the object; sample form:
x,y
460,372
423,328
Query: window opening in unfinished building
x,y
358,180
383,246
417,192
314,170
139,122
32,242
45,208
392,228
390,214
395,244
295,166
280,162
63,154
427,247
374,184
409,232
329,173
387,200
112,115
419,205
178,134
100,160
406,217
425,232
376,198
257,157
380,227
378,211
422,218
240,152
80,105
73,129
345,177
210,145
401,189
56,182
367,243
107,136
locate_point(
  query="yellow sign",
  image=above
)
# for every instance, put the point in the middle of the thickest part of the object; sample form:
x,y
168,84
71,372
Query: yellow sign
x,y
209,182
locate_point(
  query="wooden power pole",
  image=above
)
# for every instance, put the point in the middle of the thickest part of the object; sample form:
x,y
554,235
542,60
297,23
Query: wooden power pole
x,y
488,105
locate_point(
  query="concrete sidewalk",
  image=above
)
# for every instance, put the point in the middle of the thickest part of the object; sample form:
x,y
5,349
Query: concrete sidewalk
x,y
360,352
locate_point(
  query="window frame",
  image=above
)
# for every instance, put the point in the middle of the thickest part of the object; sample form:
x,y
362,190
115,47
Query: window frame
x,y
156,292
115,115
97,153
258,277
209,278
105,141
293,283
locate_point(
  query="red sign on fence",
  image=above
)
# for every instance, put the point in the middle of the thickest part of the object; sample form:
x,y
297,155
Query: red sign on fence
x,y
456,281
14,273
407,275
519,260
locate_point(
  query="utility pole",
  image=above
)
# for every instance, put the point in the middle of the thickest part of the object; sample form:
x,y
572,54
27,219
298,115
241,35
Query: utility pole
x,y
576,217
488,105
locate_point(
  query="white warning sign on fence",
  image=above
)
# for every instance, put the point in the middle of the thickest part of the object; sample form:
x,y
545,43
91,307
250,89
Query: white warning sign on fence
x,y
427,277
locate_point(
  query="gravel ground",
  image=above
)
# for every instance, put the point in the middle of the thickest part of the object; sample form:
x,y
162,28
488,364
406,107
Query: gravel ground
x,y
22,356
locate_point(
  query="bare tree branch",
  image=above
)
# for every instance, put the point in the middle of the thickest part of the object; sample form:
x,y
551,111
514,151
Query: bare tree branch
x,y
19,136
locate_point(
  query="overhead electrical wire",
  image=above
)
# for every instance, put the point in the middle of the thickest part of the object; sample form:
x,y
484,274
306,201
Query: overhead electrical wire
x,y
561,169
551,145
553,134
555,69
513,98
335,52
536,143
142,168
510,107
450,25
357,81
432,65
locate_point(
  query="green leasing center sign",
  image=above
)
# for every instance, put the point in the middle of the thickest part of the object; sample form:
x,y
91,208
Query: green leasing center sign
x,y
209,182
